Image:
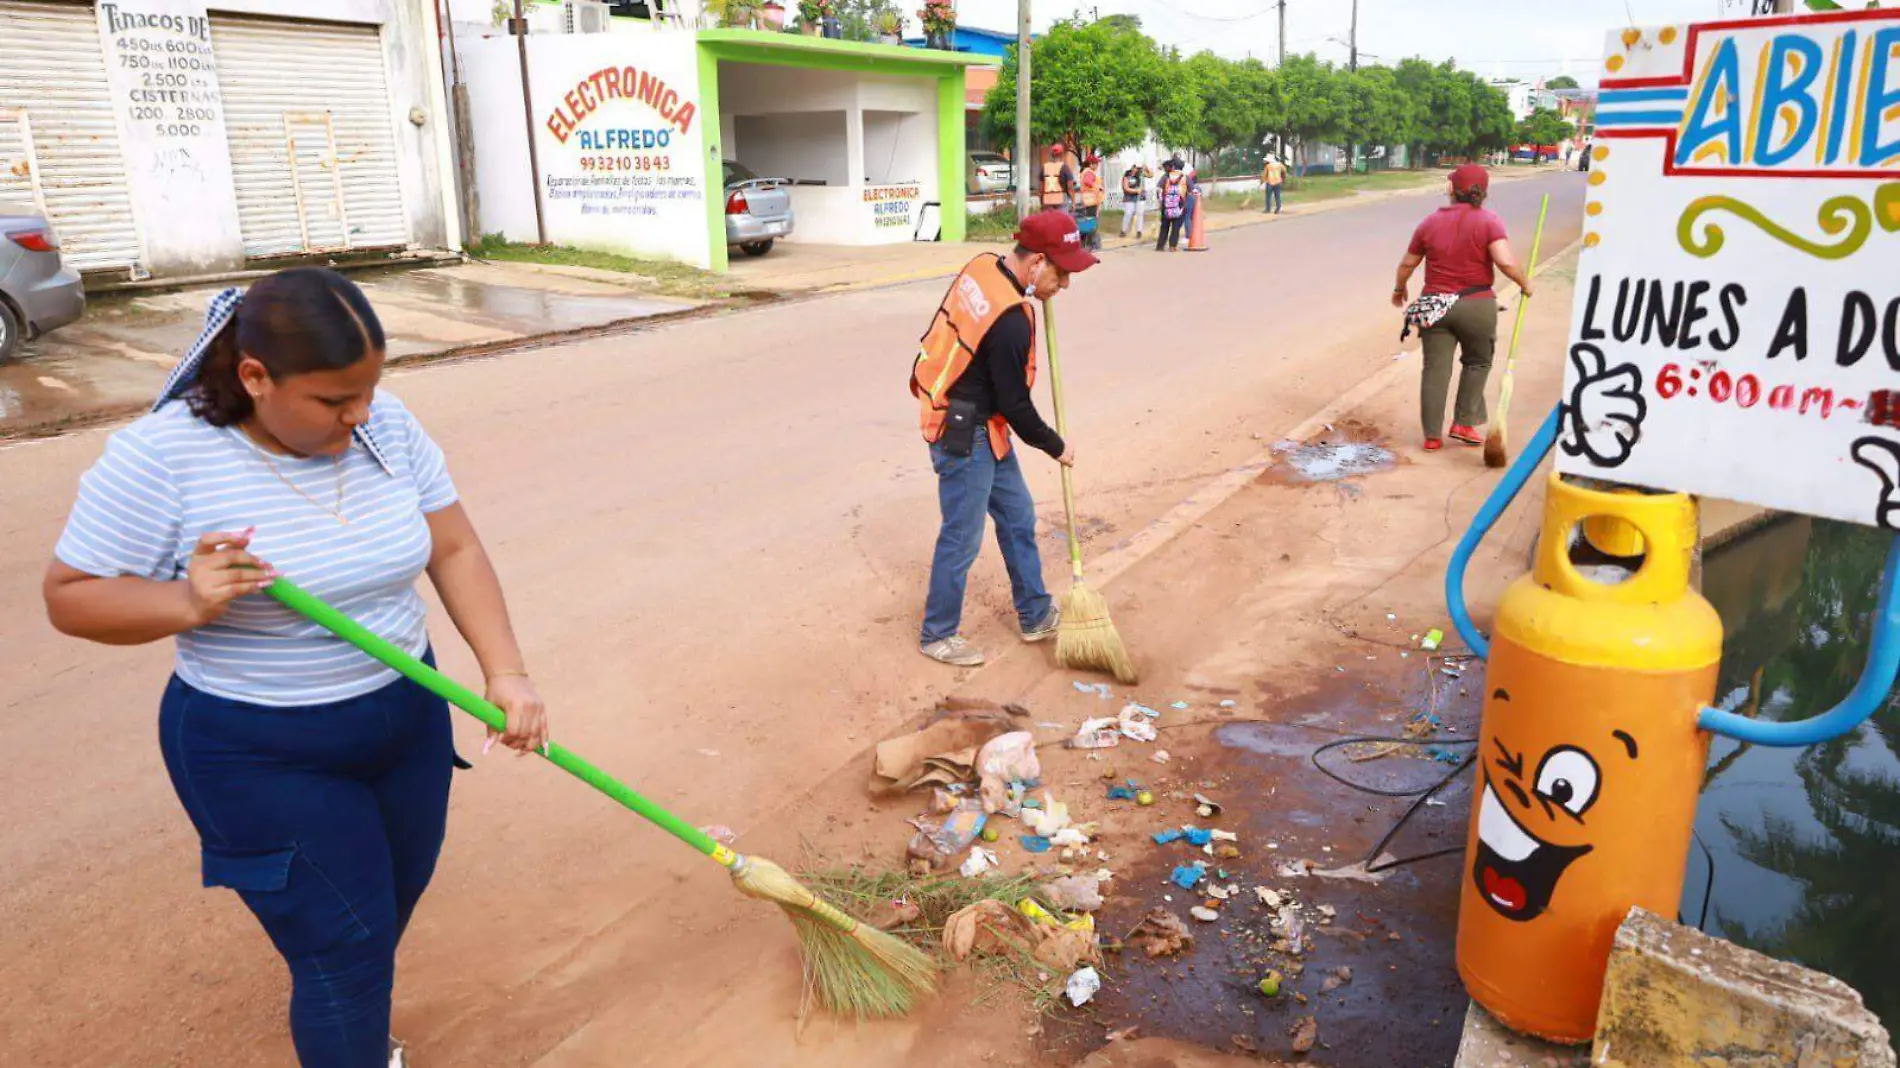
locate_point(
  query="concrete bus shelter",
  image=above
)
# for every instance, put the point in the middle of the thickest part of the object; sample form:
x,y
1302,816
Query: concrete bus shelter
x,y
631,130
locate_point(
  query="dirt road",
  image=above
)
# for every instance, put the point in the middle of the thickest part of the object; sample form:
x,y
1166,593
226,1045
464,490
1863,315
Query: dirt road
x,y
715,537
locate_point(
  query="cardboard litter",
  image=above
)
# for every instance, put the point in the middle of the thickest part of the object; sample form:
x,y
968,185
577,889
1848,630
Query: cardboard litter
x,y
1161,934
942,753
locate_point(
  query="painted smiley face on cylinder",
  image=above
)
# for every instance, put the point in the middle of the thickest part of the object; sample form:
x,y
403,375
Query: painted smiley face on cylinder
x,y
1533,820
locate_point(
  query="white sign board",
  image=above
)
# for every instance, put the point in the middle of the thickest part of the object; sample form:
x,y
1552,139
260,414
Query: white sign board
x,y
1736,331
164,79
621,143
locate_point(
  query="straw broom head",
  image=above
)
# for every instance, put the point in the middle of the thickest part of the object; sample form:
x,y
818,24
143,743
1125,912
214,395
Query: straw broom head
x,y
1087,639
851,968
1496,451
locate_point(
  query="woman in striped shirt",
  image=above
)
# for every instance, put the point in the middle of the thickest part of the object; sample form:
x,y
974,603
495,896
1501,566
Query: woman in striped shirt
x,y
317,779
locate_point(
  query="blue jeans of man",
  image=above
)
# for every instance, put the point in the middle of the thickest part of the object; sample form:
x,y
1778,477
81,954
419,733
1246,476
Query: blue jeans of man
x,y
1271,199
968,489
327,820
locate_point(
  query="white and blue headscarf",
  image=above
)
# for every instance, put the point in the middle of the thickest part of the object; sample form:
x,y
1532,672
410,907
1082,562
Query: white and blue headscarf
x,y
218,315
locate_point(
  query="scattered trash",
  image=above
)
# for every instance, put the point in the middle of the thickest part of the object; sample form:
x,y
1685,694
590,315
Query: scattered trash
x,y
1305,1034
1328,911
984,927
943,752
1099,689
1226,852
897,913
1144,799
1433,638
1219,835
1070,836
1268,897
1357,871
1005,760
1074,893
1160,756
1197,836
1172,834
1035,843
1340,976
1394,936
938,843
1161,934
1270,984
1243,1043
1127,791
1203,914
1141,709
714,753
1097,734
1297,869
1218,893
1187,876
979,861
1048,818
1290,926
1083,986
1135,724
720,833
1126,1034
1391,618
1208,808
1178,705
990,833
1227,704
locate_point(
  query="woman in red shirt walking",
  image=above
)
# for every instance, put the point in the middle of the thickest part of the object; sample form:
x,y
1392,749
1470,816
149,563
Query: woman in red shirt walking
x,y
1460,245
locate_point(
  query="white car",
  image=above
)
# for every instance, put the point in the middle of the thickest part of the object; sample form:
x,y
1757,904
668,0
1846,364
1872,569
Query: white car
x,y
992,173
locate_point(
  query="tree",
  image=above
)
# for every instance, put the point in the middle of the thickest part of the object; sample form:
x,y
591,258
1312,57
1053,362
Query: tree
x,y
1544,127
1098,84
1315,104
1379,112
1561,81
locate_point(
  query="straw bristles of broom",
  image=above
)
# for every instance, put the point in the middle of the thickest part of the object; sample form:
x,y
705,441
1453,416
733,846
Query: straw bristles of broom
x,y
851,967
1087,640
1497,452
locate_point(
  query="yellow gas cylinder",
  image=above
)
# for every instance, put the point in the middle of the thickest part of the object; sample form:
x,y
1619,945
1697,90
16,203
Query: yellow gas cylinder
x,y
1589,760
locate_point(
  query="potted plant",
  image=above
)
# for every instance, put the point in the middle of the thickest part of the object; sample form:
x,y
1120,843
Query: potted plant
x,y
940,19
890,28
811,13
772,14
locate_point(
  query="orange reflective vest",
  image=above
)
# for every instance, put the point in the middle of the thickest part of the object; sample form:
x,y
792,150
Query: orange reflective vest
x,y
1052,191
978,297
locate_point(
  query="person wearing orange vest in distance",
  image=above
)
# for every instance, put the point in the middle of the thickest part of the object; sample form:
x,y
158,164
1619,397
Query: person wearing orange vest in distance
x,y
972,380
1058,181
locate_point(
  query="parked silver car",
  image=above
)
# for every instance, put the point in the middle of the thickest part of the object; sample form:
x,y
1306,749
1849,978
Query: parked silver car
x,y
758,210
38,292
991,173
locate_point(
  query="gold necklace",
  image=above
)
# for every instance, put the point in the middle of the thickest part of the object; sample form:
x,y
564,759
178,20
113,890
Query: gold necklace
x,y
342,478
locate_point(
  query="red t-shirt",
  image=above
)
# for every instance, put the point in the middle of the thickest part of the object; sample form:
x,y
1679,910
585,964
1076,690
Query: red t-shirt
x,y
1456,243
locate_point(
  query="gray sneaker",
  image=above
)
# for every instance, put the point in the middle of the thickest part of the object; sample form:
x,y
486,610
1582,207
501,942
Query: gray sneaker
x,y
954,650
1046,629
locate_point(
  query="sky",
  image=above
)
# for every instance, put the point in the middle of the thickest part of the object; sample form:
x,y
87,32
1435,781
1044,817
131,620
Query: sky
x,y
1493,38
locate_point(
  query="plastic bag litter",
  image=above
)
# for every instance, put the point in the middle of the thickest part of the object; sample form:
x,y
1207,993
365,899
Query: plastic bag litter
x,y
1187,876
1099,689
1160,756
1035,843
1053,816
937,843
1082,986
1070,836
1172,834
979,861
1074,893
1136,725
1003,760
1197,836
1097,734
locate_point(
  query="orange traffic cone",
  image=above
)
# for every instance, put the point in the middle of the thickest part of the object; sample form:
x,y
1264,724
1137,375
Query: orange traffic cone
x,y
1197,228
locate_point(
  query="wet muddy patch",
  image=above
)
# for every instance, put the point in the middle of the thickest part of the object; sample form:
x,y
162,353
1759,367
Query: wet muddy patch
x,y
1341,453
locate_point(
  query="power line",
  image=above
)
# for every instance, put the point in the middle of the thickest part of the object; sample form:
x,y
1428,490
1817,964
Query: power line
x,y
1214,18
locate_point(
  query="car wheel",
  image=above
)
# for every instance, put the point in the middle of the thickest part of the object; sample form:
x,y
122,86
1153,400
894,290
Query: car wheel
x,y
757,248
12,334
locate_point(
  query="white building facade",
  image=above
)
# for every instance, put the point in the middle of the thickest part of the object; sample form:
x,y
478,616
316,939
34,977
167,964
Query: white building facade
x,y
180,138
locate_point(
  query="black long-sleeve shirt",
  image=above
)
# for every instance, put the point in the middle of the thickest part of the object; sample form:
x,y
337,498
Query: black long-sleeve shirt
x,y
994,381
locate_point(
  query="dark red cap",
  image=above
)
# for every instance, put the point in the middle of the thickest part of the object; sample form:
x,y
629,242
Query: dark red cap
x,y
1469,176
1053,234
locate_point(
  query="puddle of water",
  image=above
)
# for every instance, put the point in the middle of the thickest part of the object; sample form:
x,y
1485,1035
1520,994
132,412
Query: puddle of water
x,y
1804,840
517,309
1333,461
43,388
1404,1005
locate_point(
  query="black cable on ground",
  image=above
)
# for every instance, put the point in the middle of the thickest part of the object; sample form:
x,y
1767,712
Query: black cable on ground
x,y
1420,795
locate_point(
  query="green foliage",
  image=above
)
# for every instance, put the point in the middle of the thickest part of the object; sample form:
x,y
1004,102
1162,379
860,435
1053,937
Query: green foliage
x,y
1098,84
1561,81
1544,127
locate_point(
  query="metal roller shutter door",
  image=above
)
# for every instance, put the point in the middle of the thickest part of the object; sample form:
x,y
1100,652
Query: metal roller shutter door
x,y
51,68
315,154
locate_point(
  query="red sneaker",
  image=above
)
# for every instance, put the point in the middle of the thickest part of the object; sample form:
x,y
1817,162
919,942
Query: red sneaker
x,y
1433,444
1465,435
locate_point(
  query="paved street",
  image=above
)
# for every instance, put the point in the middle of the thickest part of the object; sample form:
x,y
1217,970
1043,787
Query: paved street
x,y
714,535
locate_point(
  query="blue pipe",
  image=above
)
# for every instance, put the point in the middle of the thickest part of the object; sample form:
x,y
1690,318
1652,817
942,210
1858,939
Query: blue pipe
x,y
1481,524
1869,694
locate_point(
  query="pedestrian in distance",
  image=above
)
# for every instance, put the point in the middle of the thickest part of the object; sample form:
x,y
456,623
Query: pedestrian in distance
x,y
1135,198
972,380
1058,181
1462,245
1090,193
1173,197
316,778
1272,178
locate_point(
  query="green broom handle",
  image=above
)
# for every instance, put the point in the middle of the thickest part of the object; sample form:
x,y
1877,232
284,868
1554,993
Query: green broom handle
x,y
307,604
1062,429
1517,326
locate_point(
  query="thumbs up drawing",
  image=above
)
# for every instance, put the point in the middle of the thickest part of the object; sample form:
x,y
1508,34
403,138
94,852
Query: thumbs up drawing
x,y
1604,416
1882,457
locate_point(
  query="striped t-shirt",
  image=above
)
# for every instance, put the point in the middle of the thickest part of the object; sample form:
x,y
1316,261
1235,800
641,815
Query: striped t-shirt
x,y
170,477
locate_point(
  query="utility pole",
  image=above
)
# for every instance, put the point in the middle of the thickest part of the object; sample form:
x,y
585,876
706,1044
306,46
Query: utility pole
x,y
519,26
1282,33
1352,64
1025,177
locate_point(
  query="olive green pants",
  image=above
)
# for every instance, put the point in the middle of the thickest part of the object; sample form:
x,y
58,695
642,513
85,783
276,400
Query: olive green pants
x,y
1469,329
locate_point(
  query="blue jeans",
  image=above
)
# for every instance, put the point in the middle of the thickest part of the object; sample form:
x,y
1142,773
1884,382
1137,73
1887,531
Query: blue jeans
x,y
1271,198
327,821
968,488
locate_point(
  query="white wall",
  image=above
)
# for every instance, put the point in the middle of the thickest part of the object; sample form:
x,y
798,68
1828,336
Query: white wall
x,y
801,145
598,192
900,146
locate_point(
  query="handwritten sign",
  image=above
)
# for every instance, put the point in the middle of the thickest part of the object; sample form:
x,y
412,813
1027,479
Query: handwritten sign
x,y
164,76
1736,331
